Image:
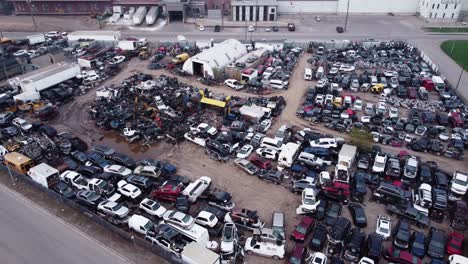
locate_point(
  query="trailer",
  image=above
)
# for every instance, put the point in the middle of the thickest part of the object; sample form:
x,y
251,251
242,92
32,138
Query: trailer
x,y
99,36
116,14
36,39
139,15
129,14
44,78
152,15
195,253
347,155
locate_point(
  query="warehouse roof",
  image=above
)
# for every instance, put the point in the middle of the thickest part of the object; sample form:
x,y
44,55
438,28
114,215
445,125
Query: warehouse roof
x,y
221,54
254,3
43,72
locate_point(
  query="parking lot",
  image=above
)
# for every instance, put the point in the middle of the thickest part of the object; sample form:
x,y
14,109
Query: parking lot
x,y
247,191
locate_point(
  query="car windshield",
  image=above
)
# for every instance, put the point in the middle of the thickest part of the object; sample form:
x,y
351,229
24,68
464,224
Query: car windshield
x,y
92,195
411,168
116,207
295,260
149,225
227,236
384,230
102,184
244,150
121,169
186,218
418,245
155,206
379,164
309,200
459,181
301,229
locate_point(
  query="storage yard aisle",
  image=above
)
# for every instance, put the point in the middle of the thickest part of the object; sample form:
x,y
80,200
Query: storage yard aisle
x,y
30,234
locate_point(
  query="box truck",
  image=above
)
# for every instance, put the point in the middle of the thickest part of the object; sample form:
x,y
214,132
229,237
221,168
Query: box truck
x,y
139,15
195,253
36,39
44,174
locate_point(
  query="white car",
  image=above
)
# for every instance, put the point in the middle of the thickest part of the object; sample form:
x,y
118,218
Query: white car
x,y
207,219
318,258
357,105
247,166
365,87
22,124
347,68
264,126
117,60
379,163
409,138
251,28
117,169
267,153
245,151
201,28
52,34
234,84
422,198
229,237
333,70
393,113
384,226
271,250
204,128
197,140
324,143
152,207
110,208
148,171
129,190
179,219
381,108
388,73
319,99
365,119
268,72
366,260
267,29
309,201
21,53
322,83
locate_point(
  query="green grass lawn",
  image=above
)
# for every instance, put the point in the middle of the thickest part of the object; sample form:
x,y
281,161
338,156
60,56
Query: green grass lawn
x,y
446,29
459,53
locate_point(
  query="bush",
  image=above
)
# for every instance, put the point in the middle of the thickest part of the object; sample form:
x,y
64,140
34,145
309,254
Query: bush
x,y
361,139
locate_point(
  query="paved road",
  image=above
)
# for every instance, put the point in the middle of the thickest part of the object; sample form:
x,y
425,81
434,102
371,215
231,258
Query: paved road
x,y
31,235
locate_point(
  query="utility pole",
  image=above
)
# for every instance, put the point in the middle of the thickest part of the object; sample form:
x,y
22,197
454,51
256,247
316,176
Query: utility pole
x,y
31,5
346,19
256,13
459,78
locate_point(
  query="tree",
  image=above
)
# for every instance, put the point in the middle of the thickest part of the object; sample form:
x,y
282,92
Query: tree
x,y
361,139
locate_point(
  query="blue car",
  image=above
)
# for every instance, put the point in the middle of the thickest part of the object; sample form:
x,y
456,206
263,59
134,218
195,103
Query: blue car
x,y
97,159
418,246
321,152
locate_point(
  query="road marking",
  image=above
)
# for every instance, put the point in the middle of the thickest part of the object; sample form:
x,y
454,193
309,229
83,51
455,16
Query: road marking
x,y
33,205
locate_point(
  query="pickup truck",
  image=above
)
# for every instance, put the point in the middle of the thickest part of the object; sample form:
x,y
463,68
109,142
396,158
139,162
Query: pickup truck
x,y
99,186
410,214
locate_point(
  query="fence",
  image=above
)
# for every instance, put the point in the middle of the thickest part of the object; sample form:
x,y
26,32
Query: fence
x,y
166,255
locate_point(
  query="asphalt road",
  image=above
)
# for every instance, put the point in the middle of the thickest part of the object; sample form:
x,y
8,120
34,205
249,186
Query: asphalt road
x,y
29,234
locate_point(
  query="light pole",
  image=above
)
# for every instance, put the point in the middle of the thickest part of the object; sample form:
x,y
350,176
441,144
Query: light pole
x,y
459,78
245,37
31,5
346,19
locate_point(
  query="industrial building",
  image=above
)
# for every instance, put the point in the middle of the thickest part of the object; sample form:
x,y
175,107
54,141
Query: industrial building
x,y
440,10
263,10
212,61
62,7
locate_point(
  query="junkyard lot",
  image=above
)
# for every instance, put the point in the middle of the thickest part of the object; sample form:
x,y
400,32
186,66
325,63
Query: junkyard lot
x,y
248,191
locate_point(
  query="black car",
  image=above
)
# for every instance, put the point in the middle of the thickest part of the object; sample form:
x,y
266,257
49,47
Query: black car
x,y
108,177
442,119
182,204
436,147
402,235
359,215
363,161
418,244
88,198
217,28
319,236
339,230
70,163
142,182
48,131
273,176
89,171
358,188
333,212
374,246
410,214
425,174
321,209
220,199
10,132
372,180
441,180
436,245
355,245
275,28
97,159
6,118
123,160
339,29
63,189
104,150
421,144
81,157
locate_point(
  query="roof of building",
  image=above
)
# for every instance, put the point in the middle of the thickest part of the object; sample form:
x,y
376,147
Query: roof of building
x,y
43,72
221,54
254,3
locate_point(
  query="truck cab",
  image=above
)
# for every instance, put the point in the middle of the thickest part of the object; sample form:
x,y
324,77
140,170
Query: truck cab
x,y
74,179
104,188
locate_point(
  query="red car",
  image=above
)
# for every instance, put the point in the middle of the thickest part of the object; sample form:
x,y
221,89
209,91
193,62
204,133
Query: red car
x,y
455,243
428,84
298,254
168,191
337,188
246,216
303,229
401,256
456,119
261,162
412,93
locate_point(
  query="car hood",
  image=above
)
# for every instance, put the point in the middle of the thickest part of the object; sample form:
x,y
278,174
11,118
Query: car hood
x,y
227,247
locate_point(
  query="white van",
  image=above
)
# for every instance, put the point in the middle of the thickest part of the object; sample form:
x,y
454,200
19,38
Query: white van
x,y
319,73
196,188
278,84
439,83
141,224
457,259
272,143
197,233
288,154
308,74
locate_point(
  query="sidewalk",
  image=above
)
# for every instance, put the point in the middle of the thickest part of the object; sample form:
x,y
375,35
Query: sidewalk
x,y
47,23
235,24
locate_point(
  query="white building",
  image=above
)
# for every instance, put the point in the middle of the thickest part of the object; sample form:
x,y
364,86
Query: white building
x,y
258,10
213,60
440,10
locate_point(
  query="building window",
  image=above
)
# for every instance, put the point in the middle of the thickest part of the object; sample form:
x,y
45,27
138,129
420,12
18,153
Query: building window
x,y
455,6
243,13
435,15
272,10
237,13
430,16
251,14
453,14
443,15
265,13
438,5
257,13
446,6
433,5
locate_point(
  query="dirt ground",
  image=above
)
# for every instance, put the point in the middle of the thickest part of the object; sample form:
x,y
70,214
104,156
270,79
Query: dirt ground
x,y
247,191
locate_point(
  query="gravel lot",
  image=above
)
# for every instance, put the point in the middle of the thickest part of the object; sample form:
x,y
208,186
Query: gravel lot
x,y
247,191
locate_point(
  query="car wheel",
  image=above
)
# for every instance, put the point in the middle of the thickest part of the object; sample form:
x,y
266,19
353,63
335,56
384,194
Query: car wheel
x,y
249,252
275,257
